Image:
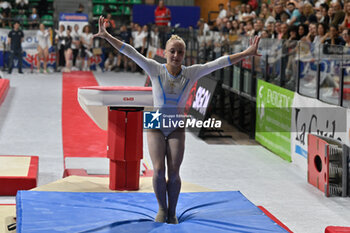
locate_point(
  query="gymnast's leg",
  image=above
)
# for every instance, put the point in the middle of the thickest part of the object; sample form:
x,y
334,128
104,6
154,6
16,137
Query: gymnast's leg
x,y
175,151
156,147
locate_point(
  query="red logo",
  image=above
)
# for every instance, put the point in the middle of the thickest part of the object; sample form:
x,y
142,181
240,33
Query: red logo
x,y
128,99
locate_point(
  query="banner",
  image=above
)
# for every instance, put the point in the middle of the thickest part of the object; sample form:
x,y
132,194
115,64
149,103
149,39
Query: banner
x,y
71,19
29,47
273,118
313,116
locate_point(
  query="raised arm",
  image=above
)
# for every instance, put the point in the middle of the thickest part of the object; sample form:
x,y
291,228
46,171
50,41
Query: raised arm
x,y
201,70
146,64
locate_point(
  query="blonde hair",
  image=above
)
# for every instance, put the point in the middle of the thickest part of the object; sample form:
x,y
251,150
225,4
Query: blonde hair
x,y
175,37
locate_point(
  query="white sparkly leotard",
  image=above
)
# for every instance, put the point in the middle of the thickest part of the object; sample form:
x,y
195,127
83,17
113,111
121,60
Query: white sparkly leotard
x,y
170,93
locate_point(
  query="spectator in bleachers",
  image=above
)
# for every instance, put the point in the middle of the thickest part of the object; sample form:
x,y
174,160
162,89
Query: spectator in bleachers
x,y
43,37
249,29
346,37
311,36
294,14
293,33
235,26
59,40
22,6
324,14
339,14
322,33
270,28
277,11
264,11
75,44
308,14
249,14
5,8
86,47
284,17
303,30
15,39
111,62
34,19
283,33
68,40
258,27
203,26
346,21
241,30
334,38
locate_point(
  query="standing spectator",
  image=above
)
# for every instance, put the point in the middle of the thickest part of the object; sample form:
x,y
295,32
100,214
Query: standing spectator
x,y
86,47
15,39
34,19
162,17
59,39
139,44
125,36
75,43
202,25
110,24
80,9
68,49
5,8
43,36
222,11
154,40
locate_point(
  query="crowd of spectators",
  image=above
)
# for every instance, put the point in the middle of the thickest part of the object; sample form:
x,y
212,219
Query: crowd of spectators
x,y
317,21
27,13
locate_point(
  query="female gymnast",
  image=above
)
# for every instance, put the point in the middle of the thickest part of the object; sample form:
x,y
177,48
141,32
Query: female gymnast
x,y
43,36
171,85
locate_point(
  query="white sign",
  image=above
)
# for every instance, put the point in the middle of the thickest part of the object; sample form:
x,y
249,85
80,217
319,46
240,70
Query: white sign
x,y
313,116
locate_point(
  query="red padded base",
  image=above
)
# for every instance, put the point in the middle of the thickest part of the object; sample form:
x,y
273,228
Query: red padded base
x,y
9,185
4,87
74,172
333,229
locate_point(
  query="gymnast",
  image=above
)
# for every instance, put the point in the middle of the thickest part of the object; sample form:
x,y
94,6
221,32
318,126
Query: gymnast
x,y
171,85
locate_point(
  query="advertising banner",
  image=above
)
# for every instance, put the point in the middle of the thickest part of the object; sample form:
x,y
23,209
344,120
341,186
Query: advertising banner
x,y
71,19
273,118
313,116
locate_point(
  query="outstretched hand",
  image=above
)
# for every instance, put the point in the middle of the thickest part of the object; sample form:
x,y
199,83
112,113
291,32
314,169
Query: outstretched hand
x,y
102,32
252,50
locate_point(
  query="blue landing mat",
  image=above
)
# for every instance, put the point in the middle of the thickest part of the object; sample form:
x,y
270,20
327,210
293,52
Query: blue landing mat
x,y
217,212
